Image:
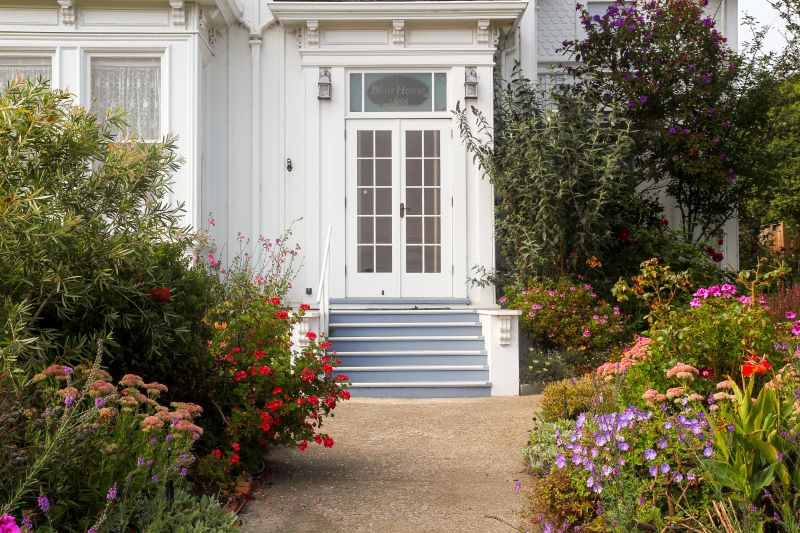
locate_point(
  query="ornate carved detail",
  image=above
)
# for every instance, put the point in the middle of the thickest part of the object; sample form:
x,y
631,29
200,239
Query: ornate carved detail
x,y
67,12
398,32
298,33
204,26
483,32
302,330
178,12
504,330
312,33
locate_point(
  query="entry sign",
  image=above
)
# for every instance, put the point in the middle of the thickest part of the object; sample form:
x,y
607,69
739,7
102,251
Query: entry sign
x,y
398,92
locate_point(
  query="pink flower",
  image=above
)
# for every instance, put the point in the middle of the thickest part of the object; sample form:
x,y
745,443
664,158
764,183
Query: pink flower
x,y
796,329
587,333
503,300
790,315
695,303
212,260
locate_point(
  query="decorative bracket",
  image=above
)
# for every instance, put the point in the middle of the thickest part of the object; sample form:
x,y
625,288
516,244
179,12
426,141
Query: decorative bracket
x,y
67,12
312,33
398,32
504,330
178,12
483,32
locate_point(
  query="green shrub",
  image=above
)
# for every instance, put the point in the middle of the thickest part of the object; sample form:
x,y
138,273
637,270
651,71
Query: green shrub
x,y
567,315
267,391
186,513
90,244
567,398
546,366
541,450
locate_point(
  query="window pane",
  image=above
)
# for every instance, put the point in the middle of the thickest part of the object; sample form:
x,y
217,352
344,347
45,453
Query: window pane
x,y
383,230
355,93
383,201
383,144
413,144
433,259
383,259
414,201
365,259
365,143
398,92
365,201
413,172
440,91
432,201
432,230
365,230
27,67
414,259
383,172
431,172
365,172
432,143
414,230
133,83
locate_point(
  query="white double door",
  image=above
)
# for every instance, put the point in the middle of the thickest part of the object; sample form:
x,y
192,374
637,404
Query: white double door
x,y
398,209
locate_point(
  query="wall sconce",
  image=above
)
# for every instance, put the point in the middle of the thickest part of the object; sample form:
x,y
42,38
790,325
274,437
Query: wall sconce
x,y
324,90
471,82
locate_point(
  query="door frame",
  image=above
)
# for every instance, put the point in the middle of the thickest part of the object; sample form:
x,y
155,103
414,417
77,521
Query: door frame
x,y
398,284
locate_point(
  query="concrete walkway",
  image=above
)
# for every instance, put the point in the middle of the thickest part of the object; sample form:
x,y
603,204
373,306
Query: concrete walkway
x,y
438,465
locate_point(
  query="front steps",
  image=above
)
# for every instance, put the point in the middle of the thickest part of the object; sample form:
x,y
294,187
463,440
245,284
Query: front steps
x,y
411,353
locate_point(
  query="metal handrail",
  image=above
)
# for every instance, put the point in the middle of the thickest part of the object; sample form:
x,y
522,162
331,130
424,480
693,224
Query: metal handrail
x,y
323,296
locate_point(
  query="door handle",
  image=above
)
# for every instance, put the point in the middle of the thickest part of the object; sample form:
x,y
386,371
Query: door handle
x,y
402,210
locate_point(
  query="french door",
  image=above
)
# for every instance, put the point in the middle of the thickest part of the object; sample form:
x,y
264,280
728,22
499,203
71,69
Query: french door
x,y
398,209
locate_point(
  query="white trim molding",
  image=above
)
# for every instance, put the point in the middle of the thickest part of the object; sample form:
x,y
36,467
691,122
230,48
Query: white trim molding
x,y
501,331
508,10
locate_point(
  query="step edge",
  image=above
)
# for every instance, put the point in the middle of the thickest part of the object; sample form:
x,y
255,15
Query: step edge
x,y
422,384
413,368
409,338
402,324
433,353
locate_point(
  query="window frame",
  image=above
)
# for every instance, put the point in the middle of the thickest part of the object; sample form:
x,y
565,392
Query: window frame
x,y
399,114
161,53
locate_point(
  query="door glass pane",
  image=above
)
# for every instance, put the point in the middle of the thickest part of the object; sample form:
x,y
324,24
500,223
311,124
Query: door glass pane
x,y
440,91
423,202
414,259
414,230
383,259
374,202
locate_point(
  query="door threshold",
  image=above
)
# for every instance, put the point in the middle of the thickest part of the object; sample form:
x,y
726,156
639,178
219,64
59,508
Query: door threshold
x,y
400,301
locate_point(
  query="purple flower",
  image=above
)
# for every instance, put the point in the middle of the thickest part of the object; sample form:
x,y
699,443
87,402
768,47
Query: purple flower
x,y
517,485
662,444
623,446
168,438
650,454
643,99
68,370
27,523
708,451
664,468
111,495
69,400
154,478
43,502
606,470
183,471
140,461
653,470
561,461
91,530
154,441
99,402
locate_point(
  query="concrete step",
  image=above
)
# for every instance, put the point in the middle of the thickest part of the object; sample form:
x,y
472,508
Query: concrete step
x,y
422,374
449,389
405,316
406,329
413,358
406,343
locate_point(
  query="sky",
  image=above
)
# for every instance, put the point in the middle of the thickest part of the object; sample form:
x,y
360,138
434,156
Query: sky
x,y
766,15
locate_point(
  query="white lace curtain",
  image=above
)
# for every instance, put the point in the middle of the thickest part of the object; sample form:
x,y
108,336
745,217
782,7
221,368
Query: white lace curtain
x,y
133,84
28,67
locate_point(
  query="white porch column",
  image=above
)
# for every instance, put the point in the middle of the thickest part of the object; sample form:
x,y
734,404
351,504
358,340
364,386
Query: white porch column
x,y
501,334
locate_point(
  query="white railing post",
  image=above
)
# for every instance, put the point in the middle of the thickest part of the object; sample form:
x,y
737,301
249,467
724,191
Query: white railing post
x,y
501,331
323,296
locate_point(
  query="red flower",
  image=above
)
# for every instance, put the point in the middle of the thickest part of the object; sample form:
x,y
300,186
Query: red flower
x,y
307,375
234,458
328,442
313,400
265,370
217,453
258,354
330,402
325,345
756,365
237,349
276,301
240,375
274,405
663,222
311,335
345,394
305,307
277,390
302,446
160,294
326,359
327,369
342,377
283,315
318,439
235,446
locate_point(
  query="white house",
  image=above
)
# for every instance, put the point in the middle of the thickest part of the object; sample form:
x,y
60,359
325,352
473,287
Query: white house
x,y
336,115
